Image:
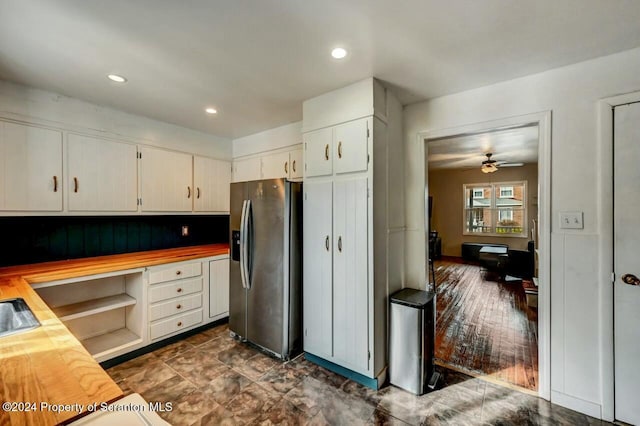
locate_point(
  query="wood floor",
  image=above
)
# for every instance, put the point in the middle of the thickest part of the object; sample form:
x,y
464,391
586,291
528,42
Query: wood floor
x,y
484,326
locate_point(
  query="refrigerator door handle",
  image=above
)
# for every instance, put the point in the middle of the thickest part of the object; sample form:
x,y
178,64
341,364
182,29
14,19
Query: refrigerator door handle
x,y
243,244
248,227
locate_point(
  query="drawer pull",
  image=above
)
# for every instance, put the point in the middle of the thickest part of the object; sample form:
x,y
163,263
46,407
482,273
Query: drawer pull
x,y
179,290
179,307
178,272
180,324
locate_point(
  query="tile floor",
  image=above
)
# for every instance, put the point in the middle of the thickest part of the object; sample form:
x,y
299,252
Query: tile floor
x,y
213,380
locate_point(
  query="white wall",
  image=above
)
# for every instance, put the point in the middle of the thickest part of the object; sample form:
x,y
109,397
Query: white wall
x,y
35,105
279,137
571,93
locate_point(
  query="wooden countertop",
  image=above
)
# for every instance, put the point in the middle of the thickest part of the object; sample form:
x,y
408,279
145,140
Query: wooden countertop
x,y
48,364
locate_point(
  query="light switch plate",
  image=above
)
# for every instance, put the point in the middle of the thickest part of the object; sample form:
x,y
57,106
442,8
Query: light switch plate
x,y
571,220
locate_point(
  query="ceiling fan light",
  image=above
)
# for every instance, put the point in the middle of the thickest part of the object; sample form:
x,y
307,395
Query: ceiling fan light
x,y
488,168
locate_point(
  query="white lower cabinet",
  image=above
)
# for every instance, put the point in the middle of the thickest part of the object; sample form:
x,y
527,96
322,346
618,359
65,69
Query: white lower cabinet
x,y
175,298
219,288
336,282
107,314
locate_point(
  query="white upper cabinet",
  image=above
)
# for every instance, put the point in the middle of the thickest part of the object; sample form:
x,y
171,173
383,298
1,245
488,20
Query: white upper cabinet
x,y
275,165
102,175
318,152
211,179
247,169
350,153
338,149
30,168
165,180
296,164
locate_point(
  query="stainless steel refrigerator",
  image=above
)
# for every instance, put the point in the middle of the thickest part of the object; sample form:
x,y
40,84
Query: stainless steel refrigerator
x,y
266,265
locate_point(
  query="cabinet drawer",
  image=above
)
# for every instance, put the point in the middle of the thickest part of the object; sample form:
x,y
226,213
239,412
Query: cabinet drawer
x,y
174,272
174,289
175,306
176,323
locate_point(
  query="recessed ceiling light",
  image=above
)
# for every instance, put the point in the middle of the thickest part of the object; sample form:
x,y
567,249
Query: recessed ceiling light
x,y
338,53
211,111
117,78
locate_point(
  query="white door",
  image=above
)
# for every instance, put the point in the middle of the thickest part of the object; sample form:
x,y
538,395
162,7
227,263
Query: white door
x,y
30,168
103,175
350,147
166,180
246,170
626,190
275,166
350,274
218,287
317,152
211,179
317,269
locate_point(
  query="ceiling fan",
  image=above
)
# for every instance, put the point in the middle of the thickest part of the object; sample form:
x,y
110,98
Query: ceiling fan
x,y
490,166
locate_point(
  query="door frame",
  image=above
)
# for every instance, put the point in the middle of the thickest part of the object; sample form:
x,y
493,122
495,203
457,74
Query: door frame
x,y
605,213
543,121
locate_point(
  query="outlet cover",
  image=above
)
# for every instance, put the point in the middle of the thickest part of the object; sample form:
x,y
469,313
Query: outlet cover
x,y
571,220
185,230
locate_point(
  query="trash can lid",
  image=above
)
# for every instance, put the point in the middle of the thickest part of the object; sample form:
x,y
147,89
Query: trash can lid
x,y
411,297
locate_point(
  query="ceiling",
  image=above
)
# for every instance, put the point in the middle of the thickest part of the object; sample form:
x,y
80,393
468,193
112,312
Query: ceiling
x,y
256,61
514,145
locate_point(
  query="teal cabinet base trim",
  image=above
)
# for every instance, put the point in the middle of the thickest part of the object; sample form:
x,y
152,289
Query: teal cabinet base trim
x,y
373,383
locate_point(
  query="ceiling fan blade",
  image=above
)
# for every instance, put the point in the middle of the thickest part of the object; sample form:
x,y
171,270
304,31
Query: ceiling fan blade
x,y
511,164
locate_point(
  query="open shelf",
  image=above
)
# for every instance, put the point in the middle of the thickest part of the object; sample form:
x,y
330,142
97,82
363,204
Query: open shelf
x,y
93,306
109,342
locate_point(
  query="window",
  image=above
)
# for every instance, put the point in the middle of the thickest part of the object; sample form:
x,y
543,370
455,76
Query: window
x,y
506,192
498,209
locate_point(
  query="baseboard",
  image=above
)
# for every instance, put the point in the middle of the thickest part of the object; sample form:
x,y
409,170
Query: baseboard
x,y
577,404
373,383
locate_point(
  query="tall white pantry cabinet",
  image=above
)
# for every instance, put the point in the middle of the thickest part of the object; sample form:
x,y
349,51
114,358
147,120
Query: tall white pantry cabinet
x,y
351,171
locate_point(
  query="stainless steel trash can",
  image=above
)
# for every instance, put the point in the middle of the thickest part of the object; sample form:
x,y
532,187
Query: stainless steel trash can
x,y
412,340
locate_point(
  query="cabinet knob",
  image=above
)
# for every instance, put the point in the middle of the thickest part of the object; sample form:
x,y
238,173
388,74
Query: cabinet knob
x,y
340,149
179,307
178,272
286,167
326,152
180,324
179,290
55,184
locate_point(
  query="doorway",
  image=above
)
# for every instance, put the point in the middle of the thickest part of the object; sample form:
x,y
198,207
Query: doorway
x,y
487,239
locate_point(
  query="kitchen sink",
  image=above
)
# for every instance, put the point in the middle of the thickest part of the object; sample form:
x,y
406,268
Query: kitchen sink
x,y
16,317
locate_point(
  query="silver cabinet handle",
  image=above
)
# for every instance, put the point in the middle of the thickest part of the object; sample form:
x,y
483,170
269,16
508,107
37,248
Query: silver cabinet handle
x,y
630,279
340,244
326,243
340,149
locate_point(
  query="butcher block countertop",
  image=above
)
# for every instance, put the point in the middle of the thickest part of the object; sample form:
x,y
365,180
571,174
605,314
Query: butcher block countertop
x,y
46,375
